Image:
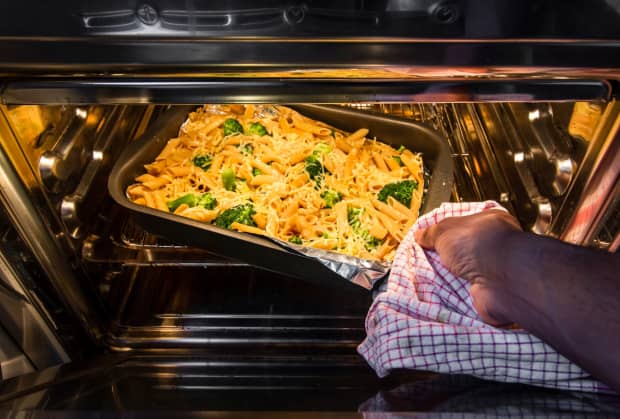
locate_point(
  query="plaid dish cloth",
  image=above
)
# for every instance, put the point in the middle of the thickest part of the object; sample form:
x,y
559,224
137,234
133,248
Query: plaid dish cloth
x,y
423,318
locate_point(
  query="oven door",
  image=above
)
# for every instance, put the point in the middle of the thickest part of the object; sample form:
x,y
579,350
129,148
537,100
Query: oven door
x,y
174,385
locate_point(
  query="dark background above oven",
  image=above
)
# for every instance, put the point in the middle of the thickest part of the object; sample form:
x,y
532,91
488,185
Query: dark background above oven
x,y
325,18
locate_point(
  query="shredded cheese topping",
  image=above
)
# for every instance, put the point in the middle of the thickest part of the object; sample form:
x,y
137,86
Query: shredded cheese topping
x,y
308,182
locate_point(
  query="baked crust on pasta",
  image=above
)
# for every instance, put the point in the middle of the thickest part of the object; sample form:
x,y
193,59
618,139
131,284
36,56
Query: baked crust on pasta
x,y
333,205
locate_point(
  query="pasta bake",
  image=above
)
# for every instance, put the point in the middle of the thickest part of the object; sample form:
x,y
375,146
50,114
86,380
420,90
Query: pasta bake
x,y
268,170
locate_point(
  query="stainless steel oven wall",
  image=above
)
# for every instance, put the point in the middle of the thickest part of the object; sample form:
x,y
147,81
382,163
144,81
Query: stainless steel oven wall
x,y
53,160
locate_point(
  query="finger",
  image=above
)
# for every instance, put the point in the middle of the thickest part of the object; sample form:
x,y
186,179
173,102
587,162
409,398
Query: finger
x,y
426,237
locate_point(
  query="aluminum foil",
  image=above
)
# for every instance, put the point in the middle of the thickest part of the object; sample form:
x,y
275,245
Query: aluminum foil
x,y
363,272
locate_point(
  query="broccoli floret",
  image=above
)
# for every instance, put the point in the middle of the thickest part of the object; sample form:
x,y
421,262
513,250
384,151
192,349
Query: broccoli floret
x,y
256,171
187,199
228,179
231,127
331,198
370,241
257,129
207,201
203,161
401,191
246,149
238,214
314,168
353,215
296,240
401,149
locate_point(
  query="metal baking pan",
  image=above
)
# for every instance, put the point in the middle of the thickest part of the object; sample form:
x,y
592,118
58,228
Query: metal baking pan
x,y
263,252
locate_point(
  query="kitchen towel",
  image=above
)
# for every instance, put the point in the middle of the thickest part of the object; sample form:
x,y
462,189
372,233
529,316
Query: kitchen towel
x,y
423,318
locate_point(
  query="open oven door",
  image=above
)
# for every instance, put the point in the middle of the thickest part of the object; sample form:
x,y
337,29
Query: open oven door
x,y
173,385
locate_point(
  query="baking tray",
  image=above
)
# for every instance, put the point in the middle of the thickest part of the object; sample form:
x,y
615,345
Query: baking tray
x,y
264,252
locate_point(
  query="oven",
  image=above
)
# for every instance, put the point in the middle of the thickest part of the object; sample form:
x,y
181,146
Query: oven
x,y
100,314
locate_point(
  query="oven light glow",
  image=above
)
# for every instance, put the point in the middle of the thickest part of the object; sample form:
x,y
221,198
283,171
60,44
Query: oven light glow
x,y
81,113
519,157
533,115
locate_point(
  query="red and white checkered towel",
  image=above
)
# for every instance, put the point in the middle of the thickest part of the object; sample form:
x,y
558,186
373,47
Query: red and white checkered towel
x,y
423,318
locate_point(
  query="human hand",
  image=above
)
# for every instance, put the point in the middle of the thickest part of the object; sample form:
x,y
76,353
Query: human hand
x,y
470,247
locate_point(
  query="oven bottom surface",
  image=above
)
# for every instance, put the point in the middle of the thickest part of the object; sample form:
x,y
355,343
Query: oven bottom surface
x,y
142,385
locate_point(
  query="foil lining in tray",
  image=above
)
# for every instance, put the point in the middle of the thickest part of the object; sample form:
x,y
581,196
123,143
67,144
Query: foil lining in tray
x,y
363,272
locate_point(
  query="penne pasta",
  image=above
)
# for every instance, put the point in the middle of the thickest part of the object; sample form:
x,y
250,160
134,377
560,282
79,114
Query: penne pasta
x,y
264,168
247,229
310,127
262,180
260,219
178,171
391,163
387,210
354,138
304,181
378,159
377,231
406,212
157,183
145,178
199,214
160,201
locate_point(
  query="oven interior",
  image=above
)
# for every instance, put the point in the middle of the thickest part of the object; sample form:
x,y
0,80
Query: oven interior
x,y
156,294
157,298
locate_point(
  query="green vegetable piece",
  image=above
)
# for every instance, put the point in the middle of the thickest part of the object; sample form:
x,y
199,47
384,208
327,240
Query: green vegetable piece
x,y
207,201
353,216
257,129
188,199
401,191
203,161
331,198
370,241
314,168
321,148
397,158
228,179
256,171
238,214
296,240
246,149
231,127
333,134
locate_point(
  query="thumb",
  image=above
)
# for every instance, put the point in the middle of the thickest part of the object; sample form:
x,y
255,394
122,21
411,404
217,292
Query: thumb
x,y
426,237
